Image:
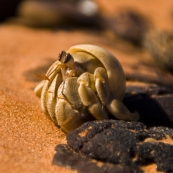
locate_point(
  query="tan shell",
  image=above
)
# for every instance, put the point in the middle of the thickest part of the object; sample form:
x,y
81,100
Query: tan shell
x,y
117,81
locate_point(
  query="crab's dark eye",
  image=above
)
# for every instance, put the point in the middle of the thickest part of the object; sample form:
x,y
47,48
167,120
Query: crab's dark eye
x,y
68,57
62,56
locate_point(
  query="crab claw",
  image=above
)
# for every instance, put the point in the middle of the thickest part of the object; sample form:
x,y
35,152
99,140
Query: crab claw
x,y
67,117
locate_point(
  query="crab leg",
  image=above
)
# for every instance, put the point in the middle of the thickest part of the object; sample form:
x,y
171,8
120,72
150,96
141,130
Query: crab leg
x,y
102,84
45,89
51,97
38,89
69,111
89,98
67,117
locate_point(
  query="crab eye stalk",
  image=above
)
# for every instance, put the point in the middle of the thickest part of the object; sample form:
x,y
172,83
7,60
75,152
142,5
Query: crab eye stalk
x,y
69,61
62,56
66,58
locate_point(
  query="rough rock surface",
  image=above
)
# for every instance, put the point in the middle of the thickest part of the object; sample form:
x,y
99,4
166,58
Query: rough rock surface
x,y
129,145
66,157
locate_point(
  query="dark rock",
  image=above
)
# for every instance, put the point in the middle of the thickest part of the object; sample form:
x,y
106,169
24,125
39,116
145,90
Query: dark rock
x,y
98,127
128,145
130,26
159,133
151,75
67,157
159,153
153,102
160,45
148,90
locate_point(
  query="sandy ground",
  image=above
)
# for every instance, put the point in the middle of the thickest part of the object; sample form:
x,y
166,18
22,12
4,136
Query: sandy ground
x,y
28,137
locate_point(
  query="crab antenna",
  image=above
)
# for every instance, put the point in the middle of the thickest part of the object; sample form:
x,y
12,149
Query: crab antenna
x,y
43,77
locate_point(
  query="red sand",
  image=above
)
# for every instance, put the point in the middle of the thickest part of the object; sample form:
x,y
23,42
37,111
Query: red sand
x,y
28,137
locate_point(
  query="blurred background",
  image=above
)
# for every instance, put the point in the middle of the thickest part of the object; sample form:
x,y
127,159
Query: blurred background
x,y
132,21
138,33
130,28
33,32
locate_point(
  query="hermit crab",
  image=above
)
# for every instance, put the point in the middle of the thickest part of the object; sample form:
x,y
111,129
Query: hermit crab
x,y
85,83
